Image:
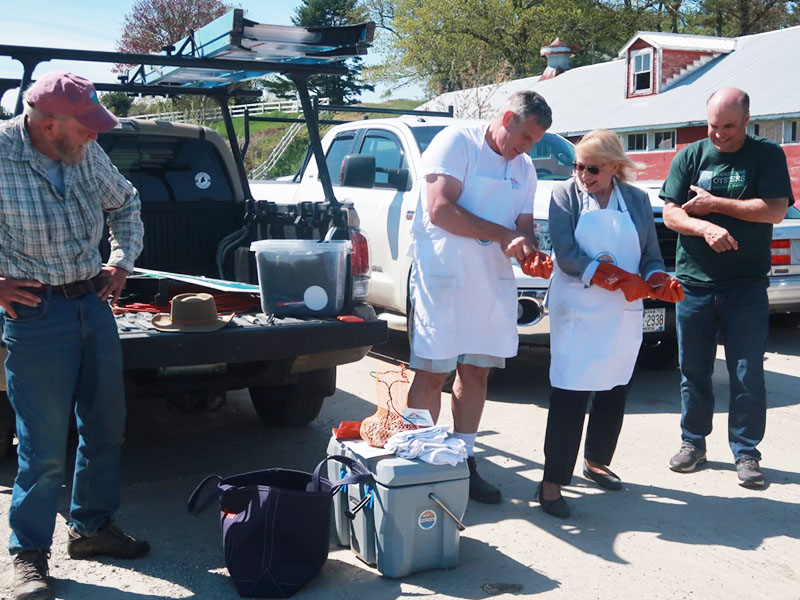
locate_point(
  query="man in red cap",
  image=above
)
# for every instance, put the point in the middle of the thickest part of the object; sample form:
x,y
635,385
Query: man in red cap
x,y
56,187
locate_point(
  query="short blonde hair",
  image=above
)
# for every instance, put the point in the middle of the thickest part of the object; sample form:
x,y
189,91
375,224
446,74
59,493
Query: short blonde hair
x,y
604,145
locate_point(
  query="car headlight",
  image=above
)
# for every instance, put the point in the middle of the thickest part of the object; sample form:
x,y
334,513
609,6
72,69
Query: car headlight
x,y
542,232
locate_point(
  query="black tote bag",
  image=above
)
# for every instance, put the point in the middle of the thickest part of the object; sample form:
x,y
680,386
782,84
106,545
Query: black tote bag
x,y
275,525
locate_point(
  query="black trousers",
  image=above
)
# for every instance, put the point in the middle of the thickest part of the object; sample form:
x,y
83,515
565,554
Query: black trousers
x,y
565,426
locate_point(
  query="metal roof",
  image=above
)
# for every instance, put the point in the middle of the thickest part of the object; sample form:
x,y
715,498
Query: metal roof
x,y
593,97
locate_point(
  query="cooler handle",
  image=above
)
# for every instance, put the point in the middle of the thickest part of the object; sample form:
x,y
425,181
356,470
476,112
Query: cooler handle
x,y
459,524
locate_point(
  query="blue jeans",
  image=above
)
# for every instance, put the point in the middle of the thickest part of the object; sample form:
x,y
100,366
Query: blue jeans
x,y
64,352
740,315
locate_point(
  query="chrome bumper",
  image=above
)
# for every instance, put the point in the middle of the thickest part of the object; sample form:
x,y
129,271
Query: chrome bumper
x,y
784,293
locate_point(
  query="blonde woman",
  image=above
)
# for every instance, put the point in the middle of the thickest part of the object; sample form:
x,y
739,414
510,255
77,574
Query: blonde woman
x,y
606,260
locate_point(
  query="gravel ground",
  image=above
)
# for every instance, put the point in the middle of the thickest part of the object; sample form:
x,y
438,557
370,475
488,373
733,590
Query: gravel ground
x,y
665,536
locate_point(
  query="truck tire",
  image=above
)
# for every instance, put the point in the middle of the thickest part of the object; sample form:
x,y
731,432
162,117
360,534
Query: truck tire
x,y
294,404
662,354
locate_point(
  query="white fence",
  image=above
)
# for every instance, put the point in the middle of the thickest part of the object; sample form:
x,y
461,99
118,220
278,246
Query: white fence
x,y
215,114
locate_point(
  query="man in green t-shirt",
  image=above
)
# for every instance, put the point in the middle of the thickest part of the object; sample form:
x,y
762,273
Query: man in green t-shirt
x,y
722,196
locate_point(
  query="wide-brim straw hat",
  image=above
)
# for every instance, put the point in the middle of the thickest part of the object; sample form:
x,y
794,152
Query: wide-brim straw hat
x,y
191,313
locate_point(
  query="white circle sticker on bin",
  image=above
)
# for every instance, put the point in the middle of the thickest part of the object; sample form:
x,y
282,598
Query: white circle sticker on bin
x,y
202,180
315,297
426,520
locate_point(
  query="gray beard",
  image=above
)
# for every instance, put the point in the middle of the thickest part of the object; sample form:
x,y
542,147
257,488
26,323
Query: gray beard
x,y
67,153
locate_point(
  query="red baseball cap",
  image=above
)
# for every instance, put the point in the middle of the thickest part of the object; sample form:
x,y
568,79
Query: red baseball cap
x,y
66,94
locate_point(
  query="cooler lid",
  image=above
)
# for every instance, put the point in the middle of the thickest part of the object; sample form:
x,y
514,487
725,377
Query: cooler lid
x,y
396,472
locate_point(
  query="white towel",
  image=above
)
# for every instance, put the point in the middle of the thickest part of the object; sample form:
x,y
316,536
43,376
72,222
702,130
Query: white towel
x,y
430,444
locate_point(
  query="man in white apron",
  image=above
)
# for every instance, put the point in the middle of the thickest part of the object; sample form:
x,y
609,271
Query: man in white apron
x,y
473,217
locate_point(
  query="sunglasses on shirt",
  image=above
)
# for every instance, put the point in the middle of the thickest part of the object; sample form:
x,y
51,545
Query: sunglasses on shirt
x,y
593,169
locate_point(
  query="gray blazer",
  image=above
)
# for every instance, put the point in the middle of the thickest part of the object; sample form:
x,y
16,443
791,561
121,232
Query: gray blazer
x,y
565,207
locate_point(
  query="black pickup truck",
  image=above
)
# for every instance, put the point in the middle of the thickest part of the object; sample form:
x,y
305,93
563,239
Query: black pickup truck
x,y
200,219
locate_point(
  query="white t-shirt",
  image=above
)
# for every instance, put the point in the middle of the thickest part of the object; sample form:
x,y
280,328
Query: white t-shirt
x,y
462,152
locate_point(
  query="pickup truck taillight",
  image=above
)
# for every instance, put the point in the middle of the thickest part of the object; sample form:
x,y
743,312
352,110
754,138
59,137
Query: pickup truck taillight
x,y
781,252
359,266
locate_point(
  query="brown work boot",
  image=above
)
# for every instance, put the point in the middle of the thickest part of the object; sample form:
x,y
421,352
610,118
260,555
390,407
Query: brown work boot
x,y
480,489
109,540
31,579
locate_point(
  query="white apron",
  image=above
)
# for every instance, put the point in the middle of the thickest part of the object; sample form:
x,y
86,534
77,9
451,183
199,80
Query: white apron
x,y
465,297
595,334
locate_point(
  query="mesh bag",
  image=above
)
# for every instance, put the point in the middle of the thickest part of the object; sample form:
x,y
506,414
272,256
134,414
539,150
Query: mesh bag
x,y
392,396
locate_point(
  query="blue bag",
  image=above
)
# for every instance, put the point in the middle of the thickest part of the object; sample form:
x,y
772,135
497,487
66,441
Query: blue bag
x,y
275,525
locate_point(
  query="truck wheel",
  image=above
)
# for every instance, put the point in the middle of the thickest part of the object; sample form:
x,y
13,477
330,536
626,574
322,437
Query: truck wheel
x,y
7,420
662,354
285,405
294,404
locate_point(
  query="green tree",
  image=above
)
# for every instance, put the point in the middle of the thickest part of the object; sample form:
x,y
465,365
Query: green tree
x,y
444,42
452,44
117,102
732,18
328,13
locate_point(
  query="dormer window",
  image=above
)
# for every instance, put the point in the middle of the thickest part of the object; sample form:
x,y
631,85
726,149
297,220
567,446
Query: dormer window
x,y
641,68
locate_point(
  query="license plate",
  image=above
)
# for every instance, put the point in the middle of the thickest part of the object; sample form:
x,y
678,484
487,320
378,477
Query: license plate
x,y
654,319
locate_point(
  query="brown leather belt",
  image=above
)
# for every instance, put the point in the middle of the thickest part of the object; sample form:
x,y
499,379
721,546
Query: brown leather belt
x,y
76,289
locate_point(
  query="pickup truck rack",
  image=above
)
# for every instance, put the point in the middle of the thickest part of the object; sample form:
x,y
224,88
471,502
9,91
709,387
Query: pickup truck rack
x,y
288,364
209,61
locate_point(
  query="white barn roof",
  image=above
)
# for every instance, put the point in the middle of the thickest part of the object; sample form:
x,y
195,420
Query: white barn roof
x,y
679,41
594,96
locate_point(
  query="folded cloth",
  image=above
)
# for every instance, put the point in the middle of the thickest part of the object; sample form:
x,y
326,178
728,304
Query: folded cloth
x,y
430,444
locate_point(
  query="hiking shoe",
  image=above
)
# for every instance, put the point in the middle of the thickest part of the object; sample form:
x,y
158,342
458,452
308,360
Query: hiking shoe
x,y
108,541
31,579
481,490
687,459
750,475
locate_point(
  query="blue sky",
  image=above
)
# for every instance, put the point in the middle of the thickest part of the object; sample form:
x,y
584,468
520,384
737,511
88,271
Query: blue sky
x,y
96,25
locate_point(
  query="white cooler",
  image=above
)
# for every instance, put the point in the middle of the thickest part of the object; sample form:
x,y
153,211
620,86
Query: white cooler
x,y
410,521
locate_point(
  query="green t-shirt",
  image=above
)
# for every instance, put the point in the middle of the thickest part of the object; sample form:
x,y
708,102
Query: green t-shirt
x,y
757,170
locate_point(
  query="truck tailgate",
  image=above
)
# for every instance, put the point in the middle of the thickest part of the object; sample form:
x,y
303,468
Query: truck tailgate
x,y
247,338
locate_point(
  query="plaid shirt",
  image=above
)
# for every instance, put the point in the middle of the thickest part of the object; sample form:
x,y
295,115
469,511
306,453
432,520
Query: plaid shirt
x,y
55,239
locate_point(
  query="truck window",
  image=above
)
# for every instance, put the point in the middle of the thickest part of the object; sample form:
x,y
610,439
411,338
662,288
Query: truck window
x,y
388,153
424,136
341,146
170,169
553,157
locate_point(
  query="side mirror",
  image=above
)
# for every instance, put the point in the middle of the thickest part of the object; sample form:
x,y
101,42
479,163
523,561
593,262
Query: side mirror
x,y
358,170
398,179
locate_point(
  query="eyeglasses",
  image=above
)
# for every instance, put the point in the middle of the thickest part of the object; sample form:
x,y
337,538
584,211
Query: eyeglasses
x,y
593,169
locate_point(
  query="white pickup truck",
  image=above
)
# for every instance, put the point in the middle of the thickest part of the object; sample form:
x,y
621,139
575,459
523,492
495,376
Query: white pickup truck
x,y
384,194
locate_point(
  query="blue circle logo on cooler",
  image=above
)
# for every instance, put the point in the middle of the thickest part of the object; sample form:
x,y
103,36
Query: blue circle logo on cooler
x,y
426,520
484,242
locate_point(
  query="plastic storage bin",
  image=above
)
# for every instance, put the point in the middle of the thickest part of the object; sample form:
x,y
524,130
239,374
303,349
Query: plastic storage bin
x,y
402,529
301,278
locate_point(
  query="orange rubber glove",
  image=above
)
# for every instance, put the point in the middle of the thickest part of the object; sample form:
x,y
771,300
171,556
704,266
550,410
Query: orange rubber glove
x,y
538,264
612,278
665,288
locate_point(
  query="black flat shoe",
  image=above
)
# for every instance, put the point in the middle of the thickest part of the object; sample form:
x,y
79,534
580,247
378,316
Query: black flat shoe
x,y
557,508
607,481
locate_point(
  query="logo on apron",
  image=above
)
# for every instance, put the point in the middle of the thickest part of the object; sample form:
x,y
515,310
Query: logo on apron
x,y
606,257
484,242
